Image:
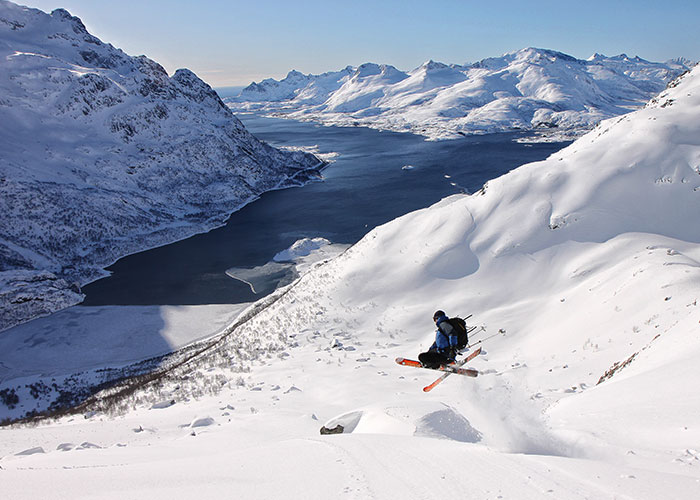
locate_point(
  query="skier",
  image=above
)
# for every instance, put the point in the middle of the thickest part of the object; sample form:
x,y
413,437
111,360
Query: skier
x,y
444,349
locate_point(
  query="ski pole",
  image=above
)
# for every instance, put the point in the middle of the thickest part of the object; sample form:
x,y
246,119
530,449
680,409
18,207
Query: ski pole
x,y
500,332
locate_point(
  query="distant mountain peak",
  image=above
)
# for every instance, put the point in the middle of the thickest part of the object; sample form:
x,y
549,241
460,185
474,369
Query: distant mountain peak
x,y
597,57
295,75
537,53
531,88
76,22
682,61
367,69
433,65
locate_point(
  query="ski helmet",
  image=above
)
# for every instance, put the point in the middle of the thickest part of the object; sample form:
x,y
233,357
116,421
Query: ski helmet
x,y
438,314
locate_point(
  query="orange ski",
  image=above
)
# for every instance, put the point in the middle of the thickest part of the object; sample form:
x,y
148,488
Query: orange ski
x,y
448,369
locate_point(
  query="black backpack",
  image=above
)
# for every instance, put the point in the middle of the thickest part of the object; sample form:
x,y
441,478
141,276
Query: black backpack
x,y
460,326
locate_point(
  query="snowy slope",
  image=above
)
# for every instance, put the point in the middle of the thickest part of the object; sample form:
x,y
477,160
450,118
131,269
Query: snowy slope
x,y
590,262
104,154
529,89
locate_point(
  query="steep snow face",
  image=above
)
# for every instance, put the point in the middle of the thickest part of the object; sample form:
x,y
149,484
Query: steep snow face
x,y
588,261
428,76
364,89
529,89
104,154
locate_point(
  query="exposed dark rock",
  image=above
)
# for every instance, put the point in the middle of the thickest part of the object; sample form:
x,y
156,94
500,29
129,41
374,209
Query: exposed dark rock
x,y
338,429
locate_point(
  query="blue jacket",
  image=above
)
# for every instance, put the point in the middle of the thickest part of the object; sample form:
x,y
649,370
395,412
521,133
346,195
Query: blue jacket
x,y
445,336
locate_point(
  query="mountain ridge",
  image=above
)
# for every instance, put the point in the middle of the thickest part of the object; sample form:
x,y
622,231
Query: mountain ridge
x,y
530,89
104,154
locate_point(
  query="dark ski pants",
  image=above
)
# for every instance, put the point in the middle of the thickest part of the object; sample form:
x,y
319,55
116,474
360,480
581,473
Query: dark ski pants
x,y
433,359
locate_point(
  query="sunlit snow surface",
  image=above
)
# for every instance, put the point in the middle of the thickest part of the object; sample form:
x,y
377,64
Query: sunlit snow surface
x,y
590,262
552,93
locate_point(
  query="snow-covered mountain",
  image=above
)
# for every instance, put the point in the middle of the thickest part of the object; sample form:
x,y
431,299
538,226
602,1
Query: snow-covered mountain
x,y
305,88
103,154
529,89
589,264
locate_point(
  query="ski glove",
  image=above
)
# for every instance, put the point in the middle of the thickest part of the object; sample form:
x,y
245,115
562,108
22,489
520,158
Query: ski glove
x,y
453,353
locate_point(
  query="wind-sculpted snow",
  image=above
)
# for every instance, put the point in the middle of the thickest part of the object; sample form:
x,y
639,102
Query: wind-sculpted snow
x,y
433,420
104,154
532,89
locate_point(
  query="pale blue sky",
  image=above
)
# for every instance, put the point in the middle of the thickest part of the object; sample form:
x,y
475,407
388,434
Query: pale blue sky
x,y
238,41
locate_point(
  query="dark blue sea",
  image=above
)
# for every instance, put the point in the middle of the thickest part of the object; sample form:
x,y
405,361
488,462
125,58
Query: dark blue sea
x,y
376,177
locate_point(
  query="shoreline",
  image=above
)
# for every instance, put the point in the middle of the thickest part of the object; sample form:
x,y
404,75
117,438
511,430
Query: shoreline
x,y
70,290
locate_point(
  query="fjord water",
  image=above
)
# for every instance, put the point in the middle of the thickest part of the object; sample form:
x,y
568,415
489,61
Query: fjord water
x,y
376,177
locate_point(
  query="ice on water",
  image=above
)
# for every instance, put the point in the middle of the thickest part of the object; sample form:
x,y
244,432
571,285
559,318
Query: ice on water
x,y
266,278
287,265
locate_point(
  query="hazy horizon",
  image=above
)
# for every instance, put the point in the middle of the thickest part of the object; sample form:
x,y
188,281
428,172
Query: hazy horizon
x,y
233,43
